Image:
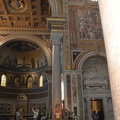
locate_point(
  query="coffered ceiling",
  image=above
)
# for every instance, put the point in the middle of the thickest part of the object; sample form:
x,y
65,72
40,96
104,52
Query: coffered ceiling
x,y
24,13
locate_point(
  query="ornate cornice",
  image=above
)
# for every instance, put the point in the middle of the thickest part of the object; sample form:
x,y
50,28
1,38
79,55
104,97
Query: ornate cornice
x,y
55,24
23,30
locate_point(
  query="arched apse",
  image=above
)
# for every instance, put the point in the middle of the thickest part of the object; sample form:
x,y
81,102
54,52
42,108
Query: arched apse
x,y
29,38
81,58
56,7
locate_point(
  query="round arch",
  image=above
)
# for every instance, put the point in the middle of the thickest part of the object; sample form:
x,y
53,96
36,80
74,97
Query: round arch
x,y
32,39
56,7
86,56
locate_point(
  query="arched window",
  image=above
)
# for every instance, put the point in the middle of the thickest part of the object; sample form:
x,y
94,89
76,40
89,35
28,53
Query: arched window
x,y
94,0
30,82
17,82
3,80
41,81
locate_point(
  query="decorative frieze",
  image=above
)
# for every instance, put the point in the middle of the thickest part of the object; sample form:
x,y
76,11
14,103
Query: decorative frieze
x,y
21,31
67,54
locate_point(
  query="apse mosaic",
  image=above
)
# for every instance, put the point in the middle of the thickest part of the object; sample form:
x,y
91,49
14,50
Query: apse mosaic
x,y
22,56
22,46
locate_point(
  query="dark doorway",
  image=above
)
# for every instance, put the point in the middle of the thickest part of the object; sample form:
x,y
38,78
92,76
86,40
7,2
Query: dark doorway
x,y
96,105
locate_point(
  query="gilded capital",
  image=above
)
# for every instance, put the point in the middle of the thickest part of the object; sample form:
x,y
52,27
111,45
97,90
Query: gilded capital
x,y
56,38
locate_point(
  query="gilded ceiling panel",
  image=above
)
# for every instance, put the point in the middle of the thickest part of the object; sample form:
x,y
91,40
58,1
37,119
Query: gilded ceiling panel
x,y
24,13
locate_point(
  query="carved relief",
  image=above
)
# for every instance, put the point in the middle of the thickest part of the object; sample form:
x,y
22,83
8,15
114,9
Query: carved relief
x,y
95,73
96,83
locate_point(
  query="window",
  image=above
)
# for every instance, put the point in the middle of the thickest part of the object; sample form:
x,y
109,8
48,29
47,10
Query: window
x,y
30,82
94,0
41,81
17,82
3,80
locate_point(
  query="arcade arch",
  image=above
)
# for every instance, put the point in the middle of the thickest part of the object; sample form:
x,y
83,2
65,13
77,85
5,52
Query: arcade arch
x,y
95,84
56,7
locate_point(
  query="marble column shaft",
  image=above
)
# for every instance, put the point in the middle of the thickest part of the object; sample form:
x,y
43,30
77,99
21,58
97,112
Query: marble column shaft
x,y
56,75
110,17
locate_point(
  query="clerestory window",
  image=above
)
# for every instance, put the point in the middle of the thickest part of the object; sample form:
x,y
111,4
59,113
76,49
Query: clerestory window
x,y
94,0
3,80
41,81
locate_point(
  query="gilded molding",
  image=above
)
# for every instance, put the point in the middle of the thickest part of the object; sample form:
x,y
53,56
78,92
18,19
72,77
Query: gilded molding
x,y
29,31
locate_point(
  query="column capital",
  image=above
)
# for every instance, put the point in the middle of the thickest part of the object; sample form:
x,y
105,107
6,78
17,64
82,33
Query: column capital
x,y
56,38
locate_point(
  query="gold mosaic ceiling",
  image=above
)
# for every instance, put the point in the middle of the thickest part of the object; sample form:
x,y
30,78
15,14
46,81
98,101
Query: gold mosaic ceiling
x,y
24,13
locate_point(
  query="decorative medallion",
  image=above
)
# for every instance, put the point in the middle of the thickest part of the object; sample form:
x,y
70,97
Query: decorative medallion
x,y
17,4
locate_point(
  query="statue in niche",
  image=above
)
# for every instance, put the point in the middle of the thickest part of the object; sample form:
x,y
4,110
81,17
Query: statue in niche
x,y
23,81
110,109
74,94
40,62
37,64
6,62
33,63
14,62
17,82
